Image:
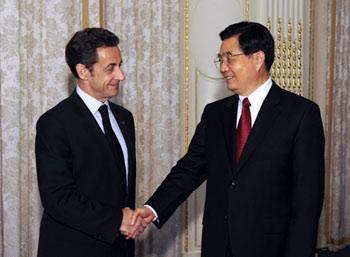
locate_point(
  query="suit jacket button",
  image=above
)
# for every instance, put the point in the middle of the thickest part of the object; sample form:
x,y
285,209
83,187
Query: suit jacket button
x,y
233,185
226,218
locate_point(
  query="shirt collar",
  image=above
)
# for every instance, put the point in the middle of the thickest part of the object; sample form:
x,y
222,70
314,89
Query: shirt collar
x,y
92,103
258,96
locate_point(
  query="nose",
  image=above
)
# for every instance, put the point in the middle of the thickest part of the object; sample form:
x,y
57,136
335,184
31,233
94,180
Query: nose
x,y
223,66
119,73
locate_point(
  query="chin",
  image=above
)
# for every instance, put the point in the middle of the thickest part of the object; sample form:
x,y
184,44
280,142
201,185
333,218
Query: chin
x,y
113,95
113,92
232,87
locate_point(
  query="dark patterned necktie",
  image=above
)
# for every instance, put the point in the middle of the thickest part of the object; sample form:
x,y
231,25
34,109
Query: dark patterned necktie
x,y
243,129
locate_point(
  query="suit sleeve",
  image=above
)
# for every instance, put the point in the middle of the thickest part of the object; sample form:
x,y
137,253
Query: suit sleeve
x,y
59,193
183,179
308,185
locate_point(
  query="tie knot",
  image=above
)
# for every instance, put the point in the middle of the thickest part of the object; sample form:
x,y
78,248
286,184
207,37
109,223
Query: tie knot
x,y
103,110
246,102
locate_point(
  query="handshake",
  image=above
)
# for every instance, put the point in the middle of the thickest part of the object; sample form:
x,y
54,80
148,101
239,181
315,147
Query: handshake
x,y
135,221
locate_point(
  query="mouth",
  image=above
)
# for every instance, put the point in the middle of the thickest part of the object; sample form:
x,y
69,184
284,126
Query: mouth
x,y
114,84
228,78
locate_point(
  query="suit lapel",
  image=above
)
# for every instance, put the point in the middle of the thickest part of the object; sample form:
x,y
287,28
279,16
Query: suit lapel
x,y
91,122
229,114
266,117
87,116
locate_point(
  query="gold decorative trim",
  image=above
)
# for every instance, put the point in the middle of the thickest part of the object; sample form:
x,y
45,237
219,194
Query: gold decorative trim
x,y
185,88
247,10
85,13
299,48
328,203
287,68
102,13
312,50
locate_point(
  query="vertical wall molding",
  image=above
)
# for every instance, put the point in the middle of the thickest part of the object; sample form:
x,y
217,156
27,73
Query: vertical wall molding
x,y
247,10
185,108
102,13
328,202
85,15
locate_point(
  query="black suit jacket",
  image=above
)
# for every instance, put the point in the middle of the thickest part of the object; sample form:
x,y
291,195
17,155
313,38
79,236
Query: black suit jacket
x,y
81,184
268,205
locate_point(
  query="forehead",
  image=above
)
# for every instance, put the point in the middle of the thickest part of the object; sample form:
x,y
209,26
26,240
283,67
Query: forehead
x,y
230,44
108,54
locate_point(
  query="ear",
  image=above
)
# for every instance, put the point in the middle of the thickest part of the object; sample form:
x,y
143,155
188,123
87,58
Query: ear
x,y
82,71
259,60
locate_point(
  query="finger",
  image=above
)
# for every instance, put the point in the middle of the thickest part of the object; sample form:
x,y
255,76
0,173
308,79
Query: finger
x,y
128,234
144,223
135,227
149,218
135,215
136,233
141,229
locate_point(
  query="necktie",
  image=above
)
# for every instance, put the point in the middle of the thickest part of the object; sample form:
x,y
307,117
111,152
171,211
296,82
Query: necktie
x,y
111,137
243,129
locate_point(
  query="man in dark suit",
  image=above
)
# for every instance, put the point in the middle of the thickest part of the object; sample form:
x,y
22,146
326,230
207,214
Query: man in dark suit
x,y
85,153
261,152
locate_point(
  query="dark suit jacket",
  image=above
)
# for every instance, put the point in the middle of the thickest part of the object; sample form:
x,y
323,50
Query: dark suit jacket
x,y
268,205
82,184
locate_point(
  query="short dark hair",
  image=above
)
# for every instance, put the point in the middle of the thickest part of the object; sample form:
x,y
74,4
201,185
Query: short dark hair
x,y
252,37
82,47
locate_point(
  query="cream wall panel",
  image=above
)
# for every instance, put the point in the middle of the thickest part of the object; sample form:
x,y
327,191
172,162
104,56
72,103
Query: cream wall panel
x,y
207,18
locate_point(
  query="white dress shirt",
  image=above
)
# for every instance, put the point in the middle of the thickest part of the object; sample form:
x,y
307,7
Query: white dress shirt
x,y
256,100
93,105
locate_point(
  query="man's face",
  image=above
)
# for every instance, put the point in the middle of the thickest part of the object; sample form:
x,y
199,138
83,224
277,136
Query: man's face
x,y
238,70
103,80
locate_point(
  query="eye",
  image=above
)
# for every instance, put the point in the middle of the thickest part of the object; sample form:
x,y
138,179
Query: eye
x,y
109,68
229,54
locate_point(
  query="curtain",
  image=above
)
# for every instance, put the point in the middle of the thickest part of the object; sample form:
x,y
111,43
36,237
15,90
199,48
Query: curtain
x,y
34,78
149,33
335,228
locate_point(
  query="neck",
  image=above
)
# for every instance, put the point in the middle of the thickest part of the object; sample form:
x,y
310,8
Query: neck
x,y
84,86
255,85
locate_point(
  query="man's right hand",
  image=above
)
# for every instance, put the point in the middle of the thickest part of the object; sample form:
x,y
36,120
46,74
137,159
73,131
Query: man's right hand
x,y
132,224
145,213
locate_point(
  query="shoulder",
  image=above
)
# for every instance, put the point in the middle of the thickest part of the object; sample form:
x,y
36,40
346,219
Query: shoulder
x,y
57,114
222,103
294,100
120,110
297,108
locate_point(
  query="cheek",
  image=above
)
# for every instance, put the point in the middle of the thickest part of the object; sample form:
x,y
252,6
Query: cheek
x,y
237,69
245,70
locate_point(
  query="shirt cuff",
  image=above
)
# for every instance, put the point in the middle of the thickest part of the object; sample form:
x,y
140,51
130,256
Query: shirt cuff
x,y
154,212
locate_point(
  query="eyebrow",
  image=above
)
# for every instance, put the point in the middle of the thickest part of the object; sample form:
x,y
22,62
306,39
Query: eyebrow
x,y
113,64
224,53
